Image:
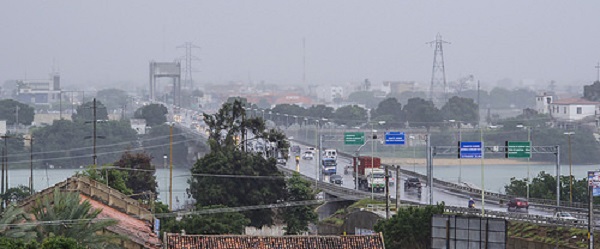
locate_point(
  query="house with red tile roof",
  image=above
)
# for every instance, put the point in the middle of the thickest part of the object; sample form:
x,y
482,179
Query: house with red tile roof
x,y
182,241
135,220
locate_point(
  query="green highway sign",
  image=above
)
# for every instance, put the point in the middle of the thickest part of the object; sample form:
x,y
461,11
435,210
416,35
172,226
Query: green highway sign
x,y
518,149
354,138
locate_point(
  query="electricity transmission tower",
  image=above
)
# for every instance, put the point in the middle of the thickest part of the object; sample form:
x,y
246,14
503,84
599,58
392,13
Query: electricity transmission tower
x,y
188,82
438,72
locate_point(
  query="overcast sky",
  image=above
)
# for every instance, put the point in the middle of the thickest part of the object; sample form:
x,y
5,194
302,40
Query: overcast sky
x,y
94,42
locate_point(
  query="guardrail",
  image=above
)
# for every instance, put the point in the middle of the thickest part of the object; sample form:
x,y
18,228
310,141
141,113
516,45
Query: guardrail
x,y
531,218
457,188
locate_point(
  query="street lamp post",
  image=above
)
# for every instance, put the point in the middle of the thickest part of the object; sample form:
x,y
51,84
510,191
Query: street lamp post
x,y
413,138
570,169
373,136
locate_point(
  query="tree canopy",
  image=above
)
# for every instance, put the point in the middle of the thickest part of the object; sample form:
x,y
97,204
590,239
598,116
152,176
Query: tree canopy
x,y
350,115
407,228
298,218
114,99
592,92
140,177
8,112
214,223
422,113
461,109
85,112
84,227
154,114
390,111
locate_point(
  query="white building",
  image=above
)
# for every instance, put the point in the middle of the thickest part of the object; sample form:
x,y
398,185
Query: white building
x,y
573,109
39,92
542,103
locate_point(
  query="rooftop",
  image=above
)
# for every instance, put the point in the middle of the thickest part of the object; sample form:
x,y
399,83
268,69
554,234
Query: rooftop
x,y
178,241
575,101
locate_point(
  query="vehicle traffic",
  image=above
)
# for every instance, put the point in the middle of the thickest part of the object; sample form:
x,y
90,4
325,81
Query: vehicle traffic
x,y
336,179
330,153
329,166
518,204
370,175
308,155
412,182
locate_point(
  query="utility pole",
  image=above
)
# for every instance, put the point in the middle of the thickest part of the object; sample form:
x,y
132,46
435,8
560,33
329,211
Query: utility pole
x,y
598,72
94,157
398,187
94,134
387,193
171,167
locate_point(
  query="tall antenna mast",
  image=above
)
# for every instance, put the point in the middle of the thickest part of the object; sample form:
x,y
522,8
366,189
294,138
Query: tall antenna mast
x,y
438,72
188,81
303,61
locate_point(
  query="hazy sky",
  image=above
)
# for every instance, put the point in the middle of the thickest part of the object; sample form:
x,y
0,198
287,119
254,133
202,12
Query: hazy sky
x,y
94,42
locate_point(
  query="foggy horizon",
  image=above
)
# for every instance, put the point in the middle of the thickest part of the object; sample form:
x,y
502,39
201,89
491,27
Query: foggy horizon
x,y
107,43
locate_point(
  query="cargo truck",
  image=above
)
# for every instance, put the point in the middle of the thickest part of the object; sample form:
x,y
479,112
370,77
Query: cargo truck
x,y
371,176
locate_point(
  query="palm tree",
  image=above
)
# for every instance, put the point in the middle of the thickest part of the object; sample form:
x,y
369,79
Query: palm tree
x,y
63,214
13,224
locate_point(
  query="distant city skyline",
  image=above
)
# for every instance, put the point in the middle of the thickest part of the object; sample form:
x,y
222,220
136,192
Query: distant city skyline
x,y
112,42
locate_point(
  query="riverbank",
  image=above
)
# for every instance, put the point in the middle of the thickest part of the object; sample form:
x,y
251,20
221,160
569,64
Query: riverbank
x,y
456,161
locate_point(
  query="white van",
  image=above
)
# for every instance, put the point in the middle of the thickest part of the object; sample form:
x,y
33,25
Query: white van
x,y
330,153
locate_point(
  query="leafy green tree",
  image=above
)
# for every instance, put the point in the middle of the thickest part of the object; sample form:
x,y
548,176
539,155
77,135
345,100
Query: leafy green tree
x,y
141,176
157,144
114,99
422,113
209,223
235,191
350,115
298,218
407,228
54,242
291,110
461,109
319,111
154,114
9,243
16,193
8,112
543,186
116,178
78,220
12,216
592,92
390,111
69,144
85,112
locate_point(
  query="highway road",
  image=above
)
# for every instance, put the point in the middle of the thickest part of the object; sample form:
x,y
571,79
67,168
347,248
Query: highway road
x,y
309,167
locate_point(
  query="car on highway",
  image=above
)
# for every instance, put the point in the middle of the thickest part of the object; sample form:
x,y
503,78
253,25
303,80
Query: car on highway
x,y
565,216
308,155
412,182
281,160
517,204
336,179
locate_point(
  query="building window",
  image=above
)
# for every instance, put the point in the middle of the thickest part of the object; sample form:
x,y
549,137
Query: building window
x,y
579,110
548,100
565,110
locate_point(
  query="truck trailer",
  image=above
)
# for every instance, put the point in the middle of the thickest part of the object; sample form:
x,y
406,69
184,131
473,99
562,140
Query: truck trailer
x,y
371,176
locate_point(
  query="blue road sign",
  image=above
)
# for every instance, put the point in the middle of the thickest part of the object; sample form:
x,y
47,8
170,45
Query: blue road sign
x,y
394,137
470,149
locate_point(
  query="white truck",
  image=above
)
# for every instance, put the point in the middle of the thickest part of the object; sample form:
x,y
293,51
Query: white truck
x,y
371,176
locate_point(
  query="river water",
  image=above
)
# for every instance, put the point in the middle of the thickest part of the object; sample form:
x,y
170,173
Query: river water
x,y
43,179
496,176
